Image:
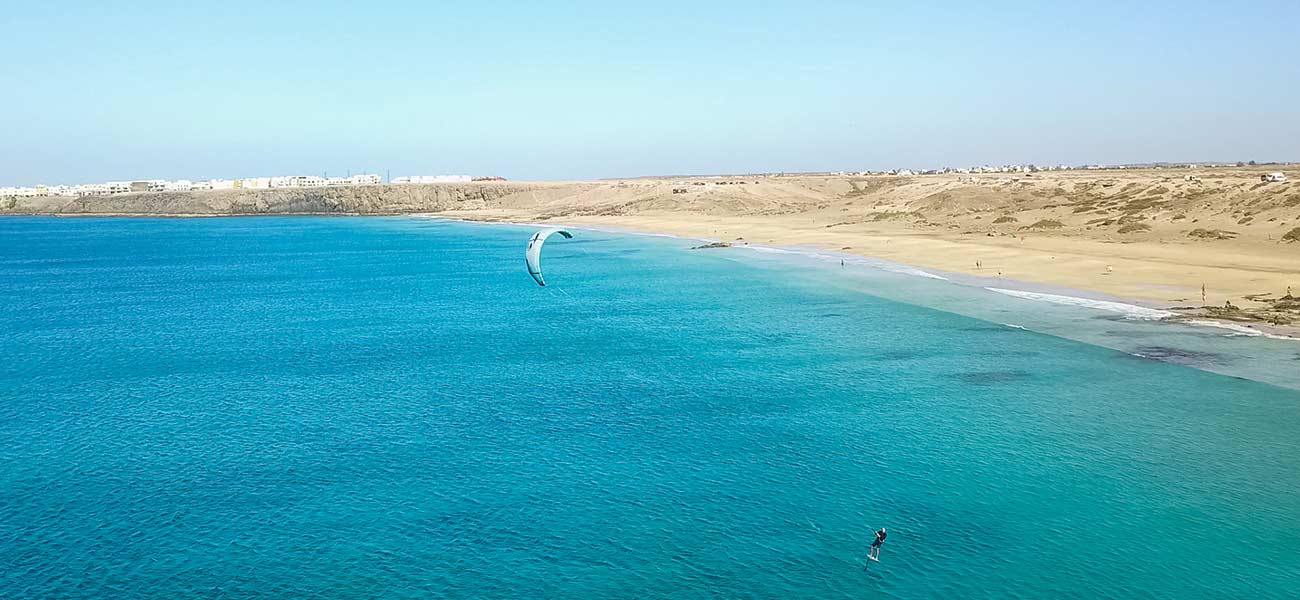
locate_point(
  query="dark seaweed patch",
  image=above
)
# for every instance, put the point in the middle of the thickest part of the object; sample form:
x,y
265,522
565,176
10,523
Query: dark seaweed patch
x,y
991,377
1178,356
990,328
1130,333
1006,353
899,355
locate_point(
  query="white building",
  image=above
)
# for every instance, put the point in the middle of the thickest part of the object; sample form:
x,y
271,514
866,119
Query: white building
x,y
91,189
221,184
300,181
255,183
119,187
26,192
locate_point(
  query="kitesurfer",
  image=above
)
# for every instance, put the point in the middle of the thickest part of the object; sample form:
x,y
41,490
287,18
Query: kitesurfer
x,y
874,553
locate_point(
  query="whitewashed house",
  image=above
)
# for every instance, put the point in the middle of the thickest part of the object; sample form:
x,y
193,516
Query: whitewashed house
x,y
91,189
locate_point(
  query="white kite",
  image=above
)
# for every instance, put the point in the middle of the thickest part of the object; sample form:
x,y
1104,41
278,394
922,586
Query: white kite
x,y
534,254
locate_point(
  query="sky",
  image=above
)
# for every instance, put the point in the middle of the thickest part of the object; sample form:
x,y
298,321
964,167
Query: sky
x,y
97,91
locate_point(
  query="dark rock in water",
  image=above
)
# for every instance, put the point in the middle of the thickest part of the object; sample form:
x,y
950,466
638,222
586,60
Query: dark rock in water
x,y
991,377
1178,356
713,245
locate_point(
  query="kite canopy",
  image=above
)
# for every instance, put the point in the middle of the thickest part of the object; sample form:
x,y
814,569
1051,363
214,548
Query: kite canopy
x,y
534,254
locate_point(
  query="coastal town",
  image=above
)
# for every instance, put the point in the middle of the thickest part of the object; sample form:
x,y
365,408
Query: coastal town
x,y
113,188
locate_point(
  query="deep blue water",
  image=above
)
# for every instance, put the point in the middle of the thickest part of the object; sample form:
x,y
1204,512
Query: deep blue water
x,y
366,408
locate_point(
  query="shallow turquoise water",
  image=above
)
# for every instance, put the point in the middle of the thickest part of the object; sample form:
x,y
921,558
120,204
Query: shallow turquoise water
x,y
362,408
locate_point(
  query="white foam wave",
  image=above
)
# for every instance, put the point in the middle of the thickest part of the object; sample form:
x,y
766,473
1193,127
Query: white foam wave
x,y
918,273
1131,311
771,250
1241,330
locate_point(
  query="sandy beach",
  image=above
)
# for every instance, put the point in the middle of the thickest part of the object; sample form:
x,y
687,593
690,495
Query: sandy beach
x,y
1194,240
1207,242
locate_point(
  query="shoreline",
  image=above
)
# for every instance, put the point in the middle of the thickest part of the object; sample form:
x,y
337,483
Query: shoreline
x,y
1212,243
1029,289
1151,276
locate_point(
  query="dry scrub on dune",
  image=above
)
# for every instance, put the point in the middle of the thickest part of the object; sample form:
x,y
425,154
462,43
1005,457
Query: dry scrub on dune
x,y
1135,228
1045,224
1211,234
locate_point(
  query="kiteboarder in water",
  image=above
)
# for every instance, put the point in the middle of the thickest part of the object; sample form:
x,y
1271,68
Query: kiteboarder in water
x,y
874,553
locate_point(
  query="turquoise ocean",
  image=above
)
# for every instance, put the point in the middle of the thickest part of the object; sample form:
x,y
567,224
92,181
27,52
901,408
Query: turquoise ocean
x,y
300,407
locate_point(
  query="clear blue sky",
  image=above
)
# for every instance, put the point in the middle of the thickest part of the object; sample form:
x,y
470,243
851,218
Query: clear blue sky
x,y
538,90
